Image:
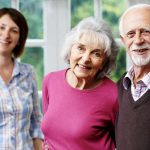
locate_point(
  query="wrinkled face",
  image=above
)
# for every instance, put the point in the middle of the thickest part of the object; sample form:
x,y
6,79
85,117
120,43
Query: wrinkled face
x,y
136,38
86,59
9,35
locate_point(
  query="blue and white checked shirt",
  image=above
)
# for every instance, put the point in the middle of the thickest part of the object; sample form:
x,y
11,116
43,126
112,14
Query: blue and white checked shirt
x,y
20,115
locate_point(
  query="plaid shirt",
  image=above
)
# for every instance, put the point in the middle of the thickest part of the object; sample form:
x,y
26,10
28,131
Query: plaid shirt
x,y
142,86
20,115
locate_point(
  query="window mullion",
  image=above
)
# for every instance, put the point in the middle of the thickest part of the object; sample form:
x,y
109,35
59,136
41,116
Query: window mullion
x,y
98,9
15,4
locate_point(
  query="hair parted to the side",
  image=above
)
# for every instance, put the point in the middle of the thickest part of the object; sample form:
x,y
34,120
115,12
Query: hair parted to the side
x,y
21,22
136,6
99,33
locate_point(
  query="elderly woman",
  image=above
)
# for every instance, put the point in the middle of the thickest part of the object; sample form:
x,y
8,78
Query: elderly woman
x,y
79,114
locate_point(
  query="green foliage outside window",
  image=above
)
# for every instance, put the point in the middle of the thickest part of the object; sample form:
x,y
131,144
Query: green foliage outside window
x,y
112,11
33,11
120,65
34,56
80,9
5,3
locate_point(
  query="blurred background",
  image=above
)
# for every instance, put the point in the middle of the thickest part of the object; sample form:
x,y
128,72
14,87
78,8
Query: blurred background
x,y
50,20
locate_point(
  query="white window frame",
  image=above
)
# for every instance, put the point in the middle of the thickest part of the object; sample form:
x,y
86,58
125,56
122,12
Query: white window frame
x,y
55,30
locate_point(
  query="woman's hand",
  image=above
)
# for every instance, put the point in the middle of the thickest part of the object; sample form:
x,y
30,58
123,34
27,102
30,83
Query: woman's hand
x,y
45,145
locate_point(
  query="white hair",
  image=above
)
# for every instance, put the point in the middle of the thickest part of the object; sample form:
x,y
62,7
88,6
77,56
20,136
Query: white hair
x,y
137,6
97,32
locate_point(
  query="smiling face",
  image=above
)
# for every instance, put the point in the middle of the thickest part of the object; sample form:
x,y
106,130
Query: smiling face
x,y
136,38
9,35
86,58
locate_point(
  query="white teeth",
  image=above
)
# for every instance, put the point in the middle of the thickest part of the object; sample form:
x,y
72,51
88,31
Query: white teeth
x,y
140,50
81,66
4,42
84,67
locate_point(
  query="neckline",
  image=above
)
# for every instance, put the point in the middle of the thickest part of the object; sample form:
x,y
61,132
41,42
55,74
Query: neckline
x,y
104,80
142,100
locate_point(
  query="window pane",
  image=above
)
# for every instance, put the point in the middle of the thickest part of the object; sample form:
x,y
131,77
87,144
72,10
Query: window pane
x,y
120,65
112,10
33,12
5,3
80,9
34,56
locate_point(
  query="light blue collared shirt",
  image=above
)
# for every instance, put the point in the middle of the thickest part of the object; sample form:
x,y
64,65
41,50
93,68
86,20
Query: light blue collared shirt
x,y
20,115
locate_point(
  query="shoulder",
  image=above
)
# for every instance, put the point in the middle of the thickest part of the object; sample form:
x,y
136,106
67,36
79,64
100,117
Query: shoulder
x,y
110,86
24,67
53,76
110,83
25,72
120,81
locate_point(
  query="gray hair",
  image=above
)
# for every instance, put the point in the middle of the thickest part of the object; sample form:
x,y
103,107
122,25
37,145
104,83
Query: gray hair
x,y
102,36
137,6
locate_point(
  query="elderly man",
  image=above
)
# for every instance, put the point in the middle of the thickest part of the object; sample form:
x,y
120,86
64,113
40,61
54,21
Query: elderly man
x,y
133,123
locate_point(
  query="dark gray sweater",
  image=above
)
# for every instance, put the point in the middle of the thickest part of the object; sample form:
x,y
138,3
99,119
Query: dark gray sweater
x,y
133,123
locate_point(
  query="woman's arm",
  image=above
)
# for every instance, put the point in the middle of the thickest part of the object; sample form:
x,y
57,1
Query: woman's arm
x,y
36,116
37,144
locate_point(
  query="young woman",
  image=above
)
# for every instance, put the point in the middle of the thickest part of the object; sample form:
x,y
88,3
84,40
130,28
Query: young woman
x,y
19,104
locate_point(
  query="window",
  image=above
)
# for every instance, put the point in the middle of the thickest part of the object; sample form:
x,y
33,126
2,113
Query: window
x,y
48,22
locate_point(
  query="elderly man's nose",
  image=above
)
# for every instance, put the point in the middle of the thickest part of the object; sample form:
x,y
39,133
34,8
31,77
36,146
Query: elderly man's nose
x,y
138,38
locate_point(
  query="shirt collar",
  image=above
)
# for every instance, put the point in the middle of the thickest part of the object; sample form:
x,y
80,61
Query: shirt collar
x,y
128,79
146,80
18,69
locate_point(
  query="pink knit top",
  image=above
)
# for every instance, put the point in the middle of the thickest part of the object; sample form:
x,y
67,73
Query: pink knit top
x,y
78,119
